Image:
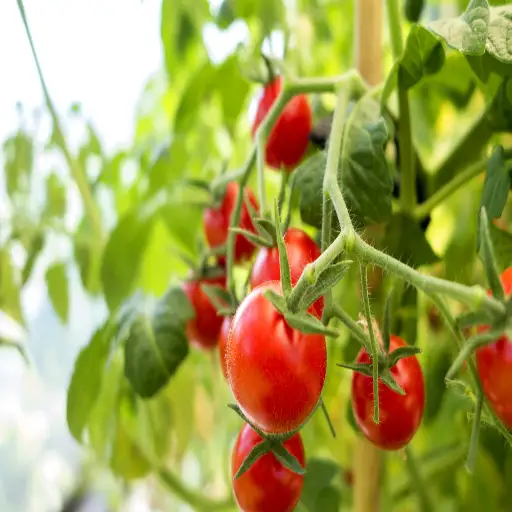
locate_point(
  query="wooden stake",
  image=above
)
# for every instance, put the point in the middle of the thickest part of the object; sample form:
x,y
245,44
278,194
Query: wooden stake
x,y
368,60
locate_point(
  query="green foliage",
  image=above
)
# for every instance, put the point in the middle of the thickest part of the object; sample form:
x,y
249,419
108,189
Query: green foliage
x,y
10,302
57,283
156,345
319,493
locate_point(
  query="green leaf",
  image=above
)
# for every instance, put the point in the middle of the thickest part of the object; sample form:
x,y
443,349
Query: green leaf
x,y
489,259
405,241
156,345
496,185
308,324
485,65
180,25
309,181
318,478
127,459
499,34
57,284
87,256
423,55
499,114
122,257
365,178
439,359
10,300
413,10
34,249
19,160
467,33
169,166
502,243
86,381
55,197
183,223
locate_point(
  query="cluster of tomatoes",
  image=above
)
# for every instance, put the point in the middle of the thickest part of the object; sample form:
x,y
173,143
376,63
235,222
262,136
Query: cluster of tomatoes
x,y
276,372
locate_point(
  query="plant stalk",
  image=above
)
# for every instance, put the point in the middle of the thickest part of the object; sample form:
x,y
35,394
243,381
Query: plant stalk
x,y
77,171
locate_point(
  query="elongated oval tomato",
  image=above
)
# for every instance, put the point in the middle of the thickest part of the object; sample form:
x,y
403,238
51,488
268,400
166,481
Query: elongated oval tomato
x,y
301,250
267,486
216,222
400,416
275,372
494,365
223,341
289,138
203,330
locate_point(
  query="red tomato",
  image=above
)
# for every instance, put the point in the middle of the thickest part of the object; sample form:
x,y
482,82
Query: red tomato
x,y
216,222
494,364
289,138
203,330
301,250
223,340
400,416
276,373
267,486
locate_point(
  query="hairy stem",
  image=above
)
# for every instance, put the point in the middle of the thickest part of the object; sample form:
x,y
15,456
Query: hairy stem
x,y
77,171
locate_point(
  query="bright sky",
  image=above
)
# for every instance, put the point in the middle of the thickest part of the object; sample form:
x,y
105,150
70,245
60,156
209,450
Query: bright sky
x,y
98,52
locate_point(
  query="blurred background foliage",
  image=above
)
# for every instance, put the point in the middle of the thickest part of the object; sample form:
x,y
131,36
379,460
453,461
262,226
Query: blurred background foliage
x,y
192,120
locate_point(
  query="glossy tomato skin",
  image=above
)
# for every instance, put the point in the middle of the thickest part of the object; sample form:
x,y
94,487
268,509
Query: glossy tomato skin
x,y
276,373
400,416
203,330
494,365
216,222
223,341
301,250
289,138
267,486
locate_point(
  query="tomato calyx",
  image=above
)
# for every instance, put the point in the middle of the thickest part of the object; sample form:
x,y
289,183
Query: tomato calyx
x,y
271,443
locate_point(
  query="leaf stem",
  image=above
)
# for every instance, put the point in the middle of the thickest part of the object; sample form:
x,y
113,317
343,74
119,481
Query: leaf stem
x,y
373,341
395,28
475,432
417,480
77,171
407,160
352,326
451,187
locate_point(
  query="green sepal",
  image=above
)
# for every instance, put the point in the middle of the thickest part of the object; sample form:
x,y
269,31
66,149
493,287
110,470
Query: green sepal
x,y
400,353
257,451
326,280
286,458
472,318
278,301
308,324
387,379
363,368
218,296
259,240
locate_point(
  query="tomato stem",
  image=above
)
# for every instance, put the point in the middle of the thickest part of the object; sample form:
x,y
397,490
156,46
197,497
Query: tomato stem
x,y
475,432
373,341
77,170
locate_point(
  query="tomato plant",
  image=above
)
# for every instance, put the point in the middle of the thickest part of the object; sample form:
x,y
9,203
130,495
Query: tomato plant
x,y
203,330
400,416
396,219
216,221
494,363
289,138
276,372
301,250
267,485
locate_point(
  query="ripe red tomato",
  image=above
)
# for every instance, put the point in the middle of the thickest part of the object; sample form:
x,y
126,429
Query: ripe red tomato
x,y
203,330
223,340
400,416
289,138
267,485
494,365
301,250
216,222
275,372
